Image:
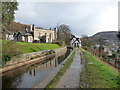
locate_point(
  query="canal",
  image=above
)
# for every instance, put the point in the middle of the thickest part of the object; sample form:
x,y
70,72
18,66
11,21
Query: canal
x,y
29,75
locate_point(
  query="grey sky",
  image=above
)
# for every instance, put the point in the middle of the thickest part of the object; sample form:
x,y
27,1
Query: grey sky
x,y
85,18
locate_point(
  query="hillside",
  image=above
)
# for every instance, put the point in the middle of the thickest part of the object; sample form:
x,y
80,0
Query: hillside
x,y
109,35
17,26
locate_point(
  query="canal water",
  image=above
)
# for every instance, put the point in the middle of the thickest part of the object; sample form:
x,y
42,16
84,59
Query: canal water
x,y
30,75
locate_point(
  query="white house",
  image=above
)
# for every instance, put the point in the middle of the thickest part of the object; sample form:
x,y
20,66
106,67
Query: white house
x,y
75,42
7,35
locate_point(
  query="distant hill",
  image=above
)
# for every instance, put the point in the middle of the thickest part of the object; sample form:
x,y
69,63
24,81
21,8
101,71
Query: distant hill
x,y
17,26
109,35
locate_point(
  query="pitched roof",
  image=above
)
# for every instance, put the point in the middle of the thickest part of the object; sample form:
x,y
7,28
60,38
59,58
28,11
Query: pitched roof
x,y
24,33
76,39
7,32
72,37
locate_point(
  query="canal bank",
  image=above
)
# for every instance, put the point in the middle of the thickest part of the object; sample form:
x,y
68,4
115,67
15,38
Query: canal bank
x,y
32,58
29,76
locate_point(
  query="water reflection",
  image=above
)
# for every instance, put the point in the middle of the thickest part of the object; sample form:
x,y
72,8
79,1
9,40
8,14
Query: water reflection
x,y
30,75
32,72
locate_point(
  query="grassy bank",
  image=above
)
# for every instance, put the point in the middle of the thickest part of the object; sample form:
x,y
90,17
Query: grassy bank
x,y
11,48
98,74
34,47
53,83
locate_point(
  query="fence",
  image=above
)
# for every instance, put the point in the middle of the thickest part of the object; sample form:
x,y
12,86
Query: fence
x,y
114,61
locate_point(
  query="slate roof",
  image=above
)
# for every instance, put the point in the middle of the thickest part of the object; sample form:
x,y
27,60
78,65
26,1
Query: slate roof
x,y
7,32
24,33
72,37
77,39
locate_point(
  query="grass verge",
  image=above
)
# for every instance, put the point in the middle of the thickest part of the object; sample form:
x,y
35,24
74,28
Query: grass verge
x,y
98,74
67,64
34,47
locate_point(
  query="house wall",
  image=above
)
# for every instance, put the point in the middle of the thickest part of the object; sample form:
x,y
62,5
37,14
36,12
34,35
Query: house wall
x,y
19,38
27,39
6,36
30,39
50,34
75,43
10,37
23,38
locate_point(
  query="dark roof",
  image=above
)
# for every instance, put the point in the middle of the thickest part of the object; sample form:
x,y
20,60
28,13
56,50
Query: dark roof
x,y
24,33
39,28
77,39
72,37
7,32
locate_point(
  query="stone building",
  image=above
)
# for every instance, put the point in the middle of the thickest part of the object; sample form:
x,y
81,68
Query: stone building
x,y
36,34
44,35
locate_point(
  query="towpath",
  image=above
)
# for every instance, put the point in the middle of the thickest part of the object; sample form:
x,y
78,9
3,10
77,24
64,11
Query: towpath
x,y
71,78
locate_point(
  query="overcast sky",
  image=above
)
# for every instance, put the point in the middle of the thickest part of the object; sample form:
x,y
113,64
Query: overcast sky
x,y
84,18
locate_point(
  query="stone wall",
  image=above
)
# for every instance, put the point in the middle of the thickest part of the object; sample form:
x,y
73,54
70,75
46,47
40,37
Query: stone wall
x,y
29,56
61,51
34,57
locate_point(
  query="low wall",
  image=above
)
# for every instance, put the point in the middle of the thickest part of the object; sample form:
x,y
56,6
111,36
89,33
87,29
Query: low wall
x,y
60,51
34,57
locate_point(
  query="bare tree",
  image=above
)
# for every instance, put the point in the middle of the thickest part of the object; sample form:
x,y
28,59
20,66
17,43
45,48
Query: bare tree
x,y
63,34
101,41
86,41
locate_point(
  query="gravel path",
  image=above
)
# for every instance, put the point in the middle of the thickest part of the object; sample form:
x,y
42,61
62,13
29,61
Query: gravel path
x,y
71,78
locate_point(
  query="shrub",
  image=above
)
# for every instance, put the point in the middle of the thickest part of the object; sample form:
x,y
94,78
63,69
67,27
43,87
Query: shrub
x,y
36,41
61,43
9,49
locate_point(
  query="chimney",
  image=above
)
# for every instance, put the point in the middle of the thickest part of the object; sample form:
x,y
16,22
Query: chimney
x,y
26,29
32,27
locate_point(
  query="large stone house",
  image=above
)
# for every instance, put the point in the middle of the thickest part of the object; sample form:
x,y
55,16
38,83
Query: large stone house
x,y
44,35
36,34
75,42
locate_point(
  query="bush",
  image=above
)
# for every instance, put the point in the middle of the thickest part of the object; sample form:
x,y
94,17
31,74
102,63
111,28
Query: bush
x,y
61,43
9,49
36,41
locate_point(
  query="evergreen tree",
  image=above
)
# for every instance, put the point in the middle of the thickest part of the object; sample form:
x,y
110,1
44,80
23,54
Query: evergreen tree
x,y
8,11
